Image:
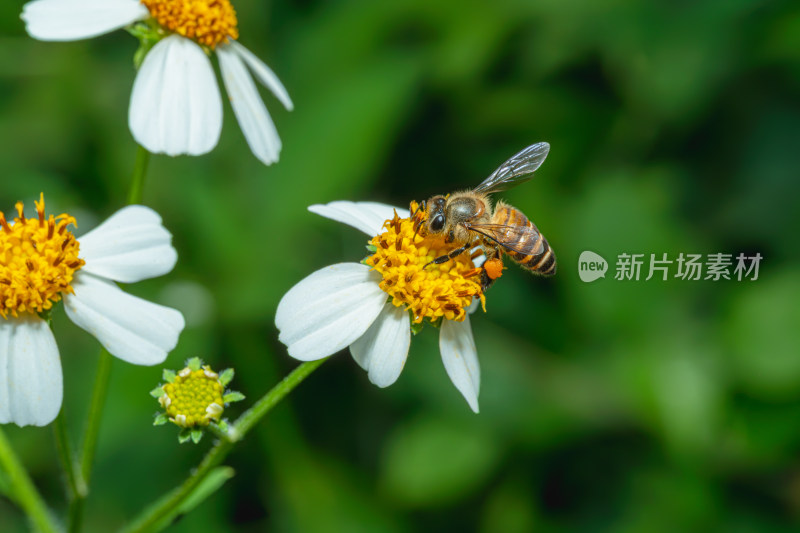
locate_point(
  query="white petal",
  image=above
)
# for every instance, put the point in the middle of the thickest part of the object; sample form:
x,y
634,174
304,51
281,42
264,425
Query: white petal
x,y
30,372
460,359
263,74
383,349
130,246
250,111
365,216
135,330
175,104
69,20
329,310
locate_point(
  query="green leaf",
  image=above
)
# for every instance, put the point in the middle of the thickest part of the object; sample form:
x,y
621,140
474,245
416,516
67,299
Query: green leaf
x,y
233,396
196,434
226,376
371,248
184,436
168,375
194,364
158,392
160,419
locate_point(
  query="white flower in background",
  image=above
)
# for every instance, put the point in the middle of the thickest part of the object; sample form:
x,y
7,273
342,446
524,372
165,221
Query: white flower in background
x,y
176,106
372,308
41,262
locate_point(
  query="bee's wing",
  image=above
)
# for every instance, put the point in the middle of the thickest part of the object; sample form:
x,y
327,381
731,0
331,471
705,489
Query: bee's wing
x,y
509,237
518,169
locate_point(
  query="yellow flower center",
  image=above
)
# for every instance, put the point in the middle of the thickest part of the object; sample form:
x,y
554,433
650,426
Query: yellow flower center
x,y
194,398
38,259
431,292
208,22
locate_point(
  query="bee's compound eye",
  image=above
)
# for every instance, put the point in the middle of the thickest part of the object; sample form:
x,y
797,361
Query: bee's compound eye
x,y
437,223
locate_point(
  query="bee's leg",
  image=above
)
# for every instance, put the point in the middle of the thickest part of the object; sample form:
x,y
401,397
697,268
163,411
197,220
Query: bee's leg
x,y
445,258
486,280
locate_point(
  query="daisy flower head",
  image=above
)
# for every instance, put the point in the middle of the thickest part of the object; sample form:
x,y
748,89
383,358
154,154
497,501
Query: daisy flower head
x,y
175,105
194,398
374,306
42,263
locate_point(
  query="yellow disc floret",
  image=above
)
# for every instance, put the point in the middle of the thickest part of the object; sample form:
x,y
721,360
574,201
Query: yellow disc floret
x,y
38,259
403,258
208,22
194,398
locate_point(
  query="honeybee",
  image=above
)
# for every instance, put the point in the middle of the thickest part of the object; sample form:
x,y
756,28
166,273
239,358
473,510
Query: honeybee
x,y
468,220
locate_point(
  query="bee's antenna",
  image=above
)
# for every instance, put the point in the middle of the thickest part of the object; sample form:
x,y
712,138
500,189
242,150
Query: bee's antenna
x,y
420,206
418,222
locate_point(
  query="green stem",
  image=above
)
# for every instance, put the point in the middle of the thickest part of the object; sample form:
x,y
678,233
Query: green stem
x,y
139,172
100,390
99,393
249,418
152,516
25,492
76,488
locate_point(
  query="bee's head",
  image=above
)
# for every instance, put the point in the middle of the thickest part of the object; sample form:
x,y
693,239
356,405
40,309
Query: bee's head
x,y
435,209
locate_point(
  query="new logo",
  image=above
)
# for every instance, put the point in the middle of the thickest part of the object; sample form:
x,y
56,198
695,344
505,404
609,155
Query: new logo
x,y
591,266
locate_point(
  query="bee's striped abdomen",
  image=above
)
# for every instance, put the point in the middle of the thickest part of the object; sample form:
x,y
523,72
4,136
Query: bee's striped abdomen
x,y
530,251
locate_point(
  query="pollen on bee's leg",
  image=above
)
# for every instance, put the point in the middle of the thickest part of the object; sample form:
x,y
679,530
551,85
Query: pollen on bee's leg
x,y
494,268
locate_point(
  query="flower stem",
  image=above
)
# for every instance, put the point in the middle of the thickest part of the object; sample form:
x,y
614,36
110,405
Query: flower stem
x,y
100,390
99,393
249,418
24,491
151,517
139,171
76,488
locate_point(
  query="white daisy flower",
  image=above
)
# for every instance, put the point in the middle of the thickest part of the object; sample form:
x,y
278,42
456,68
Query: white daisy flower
x,y
42,262
175,105
371,307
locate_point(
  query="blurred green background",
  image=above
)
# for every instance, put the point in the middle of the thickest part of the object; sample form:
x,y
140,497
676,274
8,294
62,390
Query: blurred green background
x,y
612,406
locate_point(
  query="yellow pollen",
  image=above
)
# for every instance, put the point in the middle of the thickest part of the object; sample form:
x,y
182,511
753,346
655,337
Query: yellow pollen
x,y
444,290
194,398
208,22
38,259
